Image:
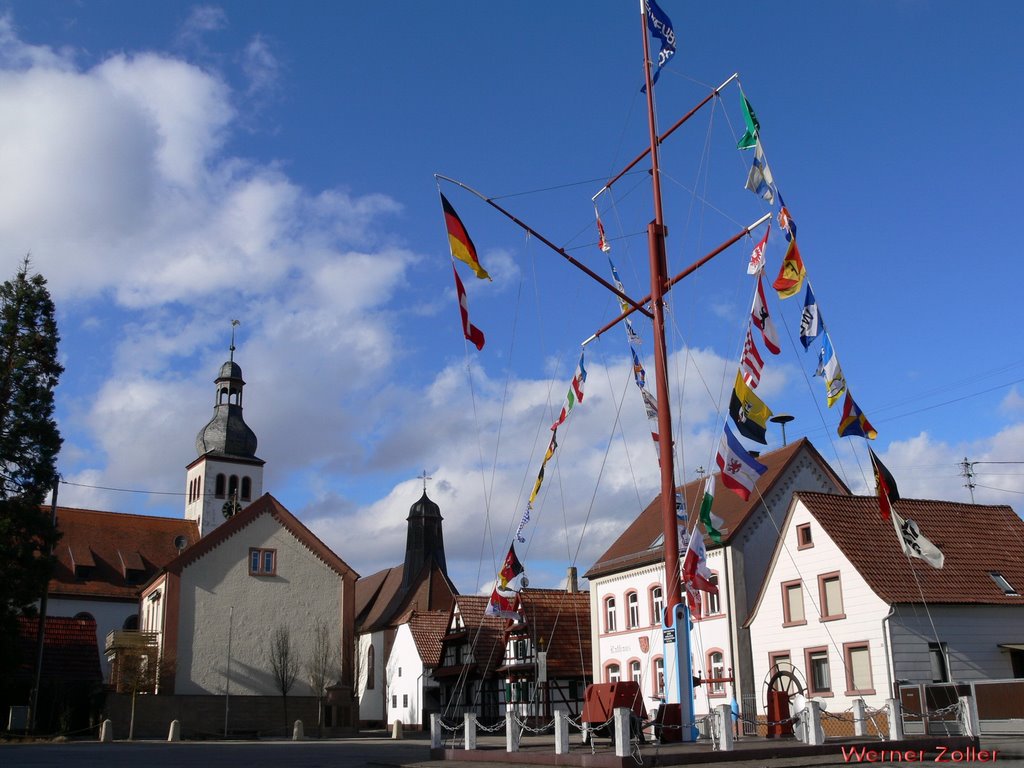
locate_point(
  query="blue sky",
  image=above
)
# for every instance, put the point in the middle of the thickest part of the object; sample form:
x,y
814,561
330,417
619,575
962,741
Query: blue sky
x,y
172,166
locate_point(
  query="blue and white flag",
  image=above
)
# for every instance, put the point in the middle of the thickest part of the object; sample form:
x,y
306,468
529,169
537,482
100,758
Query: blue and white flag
x,y
759,180
828,368
659,25
811,323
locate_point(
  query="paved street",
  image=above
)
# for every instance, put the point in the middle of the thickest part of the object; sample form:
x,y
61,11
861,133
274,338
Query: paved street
x,y
159,754
348,753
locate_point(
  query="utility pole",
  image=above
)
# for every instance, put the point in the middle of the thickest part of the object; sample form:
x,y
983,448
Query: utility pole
x,y
967,473
33,702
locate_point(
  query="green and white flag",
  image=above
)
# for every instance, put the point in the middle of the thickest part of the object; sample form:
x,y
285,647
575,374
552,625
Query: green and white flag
x,y
748,139
713,524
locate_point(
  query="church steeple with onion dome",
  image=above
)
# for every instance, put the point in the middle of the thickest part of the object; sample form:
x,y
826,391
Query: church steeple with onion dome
x,y
227,475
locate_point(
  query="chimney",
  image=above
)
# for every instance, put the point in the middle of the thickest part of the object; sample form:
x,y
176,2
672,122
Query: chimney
x,y
571,582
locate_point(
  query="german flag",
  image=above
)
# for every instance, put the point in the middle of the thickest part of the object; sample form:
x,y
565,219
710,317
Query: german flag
x,y
886,485
459,241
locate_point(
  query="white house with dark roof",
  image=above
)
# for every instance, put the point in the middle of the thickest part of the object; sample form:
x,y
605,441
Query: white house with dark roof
x,y
844,607
383,600
412,693
627,584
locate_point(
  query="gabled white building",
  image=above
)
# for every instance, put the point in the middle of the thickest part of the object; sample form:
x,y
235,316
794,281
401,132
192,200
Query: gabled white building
x,y
215,607
853,616
412,693
627,585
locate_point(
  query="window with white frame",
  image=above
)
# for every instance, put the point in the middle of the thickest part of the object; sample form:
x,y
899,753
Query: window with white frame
x,y
819,680
634,670
609,614
633,609
713,605
657,605
612,673
659,676
716,669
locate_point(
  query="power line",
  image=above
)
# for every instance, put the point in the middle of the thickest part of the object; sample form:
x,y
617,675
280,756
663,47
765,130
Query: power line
x,y
121,490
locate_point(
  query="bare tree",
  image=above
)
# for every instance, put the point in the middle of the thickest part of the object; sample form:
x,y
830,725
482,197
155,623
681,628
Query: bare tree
x,y
321,669
284,664
136,670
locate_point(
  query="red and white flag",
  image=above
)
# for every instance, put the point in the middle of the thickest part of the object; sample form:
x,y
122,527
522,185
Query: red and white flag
x,y
757,255
695,564
751,363
760,317
470,331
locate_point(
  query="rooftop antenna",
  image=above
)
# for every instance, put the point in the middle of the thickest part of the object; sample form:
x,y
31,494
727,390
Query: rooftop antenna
x,y
234,324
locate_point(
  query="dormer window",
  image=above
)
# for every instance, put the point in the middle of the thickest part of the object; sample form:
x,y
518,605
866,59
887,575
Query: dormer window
x,y
1003,584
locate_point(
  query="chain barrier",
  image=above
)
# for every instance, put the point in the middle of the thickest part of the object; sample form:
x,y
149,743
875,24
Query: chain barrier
x,y
499,726
542,729
933,713
450,728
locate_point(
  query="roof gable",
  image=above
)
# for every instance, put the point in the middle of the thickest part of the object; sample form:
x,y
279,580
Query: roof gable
x,y
975,539
641,543
427,628
560,621
265,505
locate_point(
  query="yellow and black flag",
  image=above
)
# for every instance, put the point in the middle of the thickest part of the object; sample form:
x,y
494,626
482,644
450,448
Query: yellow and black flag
x,y
748,412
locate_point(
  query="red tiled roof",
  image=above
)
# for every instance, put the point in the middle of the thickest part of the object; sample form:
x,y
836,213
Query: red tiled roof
x,y
116,552
427,629
975,540
485,633
264,505
634,547
562,620
70,652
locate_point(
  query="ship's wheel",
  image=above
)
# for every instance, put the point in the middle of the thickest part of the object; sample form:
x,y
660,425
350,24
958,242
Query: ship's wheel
x,y
783,678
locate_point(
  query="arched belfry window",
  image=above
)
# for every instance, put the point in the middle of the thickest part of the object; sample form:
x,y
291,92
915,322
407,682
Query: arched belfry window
x,y
233,486
219,487
246,489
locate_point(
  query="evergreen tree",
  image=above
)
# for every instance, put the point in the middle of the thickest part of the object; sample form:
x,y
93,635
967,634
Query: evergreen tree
x,y
29,442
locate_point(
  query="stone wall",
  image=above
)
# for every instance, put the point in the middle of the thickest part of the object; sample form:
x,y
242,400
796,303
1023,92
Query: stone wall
x,y
202,717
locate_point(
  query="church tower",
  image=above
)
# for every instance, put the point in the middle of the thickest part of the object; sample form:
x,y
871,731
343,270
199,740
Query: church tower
x,y
424,541
227,475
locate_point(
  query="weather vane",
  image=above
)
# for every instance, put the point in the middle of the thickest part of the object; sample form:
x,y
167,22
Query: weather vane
x,y
234,324
425,477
